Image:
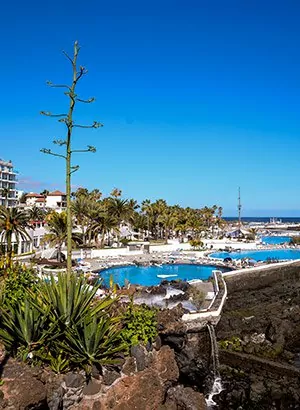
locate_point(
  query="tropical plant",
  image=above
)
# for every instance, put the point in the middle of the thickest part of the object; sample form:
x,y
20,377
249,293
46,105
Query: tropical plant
x,y
80,209
139,324
14,225
22,327
139,223
5,194
57,235
196,243
36,214
102,224
94,341
116,193
70,298
252,234
168,220
18,279
62,324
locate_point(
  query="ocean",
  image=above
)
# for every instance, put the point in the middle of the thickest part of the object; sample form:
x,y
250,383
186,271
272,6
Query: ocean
x,y
263,219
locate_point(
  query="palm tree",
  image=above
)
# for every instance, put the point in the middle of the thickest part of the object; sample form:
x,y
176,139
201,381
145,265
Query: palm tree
x,y
57,236
252,233
80,210
45,192
95,195
36,214
168,219
103,224
159,208
116,193
139,223
5,193
147,209
14,223
120,210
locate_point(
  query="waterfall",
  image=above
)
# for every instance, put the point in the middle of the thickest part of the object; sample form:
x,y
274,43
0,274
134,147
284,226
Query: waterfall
x,y
217,385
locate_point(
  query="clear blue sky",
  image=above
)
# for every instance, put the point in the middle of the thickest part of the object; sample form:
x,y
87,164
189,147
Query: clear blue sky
x,y
197,98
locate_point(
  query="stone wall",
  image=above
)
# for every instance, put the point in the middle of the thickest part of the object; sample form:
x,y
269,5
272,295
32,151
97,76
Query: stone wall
x,y
258,278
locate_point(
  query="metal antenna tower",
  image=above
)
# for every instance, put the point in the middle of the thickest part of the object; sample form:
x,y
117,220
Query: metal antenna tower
x,y
239,207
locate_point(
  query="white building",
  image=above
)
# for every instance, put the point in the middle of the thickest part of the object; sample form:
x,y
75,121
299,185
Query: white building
x,y
30,244
34,199
8,180
56,200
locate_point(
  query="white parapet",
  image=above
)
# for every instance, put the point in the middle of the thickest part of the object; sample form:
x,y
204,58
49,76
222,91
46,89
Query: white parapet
x,y
187,317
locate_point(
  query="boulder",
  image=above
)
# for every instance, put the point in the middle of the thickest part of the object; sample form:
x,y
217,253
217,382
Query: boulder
x,y
144,390
21,387
140,355
184,398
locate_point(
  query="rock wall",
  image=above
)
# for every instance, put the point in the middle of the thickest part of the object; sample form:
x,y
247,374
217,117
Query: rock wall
x,y
260,333
148,380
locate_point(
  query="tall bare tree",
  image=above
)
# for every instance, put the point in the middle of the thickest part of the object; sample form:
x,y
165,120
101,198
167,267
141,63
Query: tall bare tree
x,y
67,118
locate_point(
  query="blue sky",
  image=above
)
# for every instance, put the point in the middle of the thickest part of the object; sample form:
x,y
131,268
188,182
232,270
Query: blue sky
x,y
197,98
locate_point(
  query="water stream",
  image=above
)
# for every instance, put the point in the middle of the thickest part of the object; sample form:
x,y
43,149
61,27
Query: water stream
x,y
217,385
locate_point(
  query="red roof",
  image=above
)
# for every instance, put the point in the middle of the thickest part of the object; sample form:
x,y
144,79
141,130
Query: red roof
x,y
34,195
40,200
56,193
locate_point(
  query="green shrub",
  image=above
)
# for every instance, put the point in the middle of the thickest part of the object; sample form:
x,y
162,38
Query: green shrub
x,y
15,282
139,324
125,241
196,243
234,344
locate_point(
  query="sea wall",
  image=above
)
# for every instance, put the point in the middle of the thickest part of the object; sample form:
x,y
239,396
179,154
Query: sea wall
x,y
256,278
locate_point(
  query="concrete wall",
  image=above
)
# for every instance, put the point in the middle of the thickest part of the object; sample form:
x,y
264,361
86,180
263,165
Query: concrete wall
x,y
102,253
217,307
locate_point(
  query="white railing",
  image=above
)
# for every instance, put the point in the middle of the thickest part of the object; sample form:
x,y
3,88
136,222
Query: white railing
x,y
207,314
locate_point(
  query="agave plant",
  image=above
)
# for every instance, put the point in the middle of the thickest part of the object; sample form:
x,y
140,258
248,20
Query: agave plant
x,y
23,326
94,341
63,325
70,299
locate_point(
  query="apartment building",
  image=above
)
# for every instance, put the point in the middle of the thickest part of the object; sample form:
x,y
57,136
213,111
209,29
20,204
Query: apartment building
x,y
57,201
34,199
8,181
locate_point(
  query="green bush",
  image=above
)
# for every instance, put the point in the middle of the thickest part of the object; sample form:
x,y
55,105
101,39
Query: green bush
x,y
15,282
139,324
196,243
234,344
125,241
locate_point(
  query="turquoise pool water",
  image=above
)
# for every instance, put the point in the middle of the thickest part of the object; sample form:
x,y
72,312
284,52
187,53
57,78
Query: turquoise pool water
x,y
275,240
147,275
280,254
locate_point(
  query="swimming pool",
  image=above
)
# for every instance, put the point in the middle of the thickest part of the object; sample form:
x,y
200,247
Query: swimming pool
x,y
275,240
147,275
261,255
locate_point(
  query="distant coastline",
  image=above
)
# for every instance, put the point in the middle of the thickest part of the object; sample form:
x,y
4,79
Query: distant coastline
x,y
266,219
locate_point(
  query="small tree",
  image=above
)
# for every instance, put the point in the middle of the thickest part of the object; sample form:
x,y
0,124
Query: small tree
x,y
67,119
5,194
